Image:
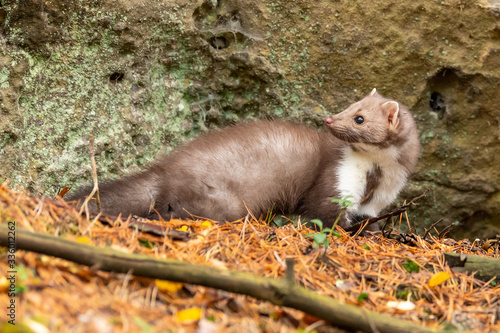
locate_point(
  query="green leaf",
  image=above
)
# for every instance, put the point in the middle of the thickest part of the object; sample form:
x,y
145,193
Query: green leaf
x,y
327,230
145,243
277,222
366,247
23,273
20,289
270,215
319,238
318,222
411,266
336,234
344,202
402,294
362,297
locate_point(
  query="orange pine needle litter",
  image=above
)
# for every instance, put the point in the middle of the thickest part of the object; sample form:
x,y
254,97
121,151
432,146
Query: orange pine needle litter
x,y
63,296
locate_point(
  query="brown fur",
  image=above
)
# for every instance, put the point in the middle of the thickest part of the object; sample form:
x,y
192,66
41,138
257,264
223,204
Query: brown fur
x,y
376,132
224,174
372,181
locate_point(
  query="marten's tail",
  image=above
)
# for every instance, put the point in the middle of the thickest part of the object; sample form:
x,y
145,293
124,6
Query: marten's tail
x,y
134,194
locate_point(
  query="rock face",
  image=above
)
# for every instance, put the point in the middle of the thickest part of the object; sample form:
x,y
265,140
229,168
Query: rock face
x,y
142,75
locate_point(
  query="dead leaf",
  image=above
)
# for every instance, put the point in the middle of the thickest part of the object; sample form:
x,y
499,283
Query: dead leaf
x,y
168,286
438,279
189,315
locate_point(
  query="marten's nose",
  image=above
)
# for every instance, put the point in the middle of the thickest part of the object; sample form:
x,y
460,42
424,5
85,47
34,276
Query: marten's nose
x,y
328,120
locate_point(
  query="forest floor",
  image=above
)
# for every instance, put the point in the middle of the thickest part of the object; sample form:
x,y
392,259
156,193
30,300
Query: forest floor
x,y
405,276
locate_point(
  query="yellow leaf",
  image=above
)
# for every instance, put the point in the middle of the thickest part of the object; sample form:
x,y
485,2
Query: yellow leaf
x,y
206,224
438,278
4,284
168,286
189,314
84,240
183,228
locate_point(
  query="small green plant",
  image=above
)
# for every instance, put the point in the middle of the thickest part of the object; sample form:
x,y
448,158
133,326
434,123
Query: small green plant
x,y
322,236
270,216
402,294
24,274
362,297
145,243
406,292
344,203
278,221
411,266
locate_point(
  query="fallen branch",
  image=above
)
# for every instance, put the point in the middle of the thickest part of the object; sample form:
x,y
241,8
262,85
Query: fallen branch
x,y
277,291
487,268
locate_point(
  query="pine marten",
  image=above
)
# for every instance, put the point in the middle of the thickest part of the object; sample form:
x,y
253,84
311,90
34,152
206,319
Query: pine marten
x,y
367,153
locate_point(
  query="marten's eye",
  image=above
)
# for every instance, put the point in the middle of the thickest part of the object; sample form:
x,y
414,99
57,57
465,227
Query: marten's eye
x,y
359,120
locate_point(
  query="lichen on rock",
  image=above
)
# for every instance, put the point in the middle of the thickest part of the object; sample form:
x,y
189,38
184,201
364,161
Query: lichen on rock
x,y
144,76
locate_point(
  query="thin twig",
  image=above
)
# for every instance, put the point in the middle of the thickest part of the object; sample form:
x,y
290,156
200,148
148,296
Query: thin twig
x,y
445,231
385,224
95,189
94,172
395,212
244,227
432,226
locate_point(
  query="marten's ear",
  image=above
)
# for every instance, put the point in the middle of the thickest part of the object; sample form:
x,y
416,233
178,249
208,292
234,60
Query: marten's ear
x,y
392,111
374,92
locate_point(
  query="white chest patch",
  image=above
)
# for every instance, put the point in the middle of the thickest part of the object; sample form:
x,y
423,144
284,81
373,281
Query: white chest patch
x,y
352,179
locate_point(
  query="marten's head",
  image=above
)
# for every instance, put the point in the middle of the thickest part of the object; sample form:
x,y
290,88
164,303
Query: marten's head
x,y
373,121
